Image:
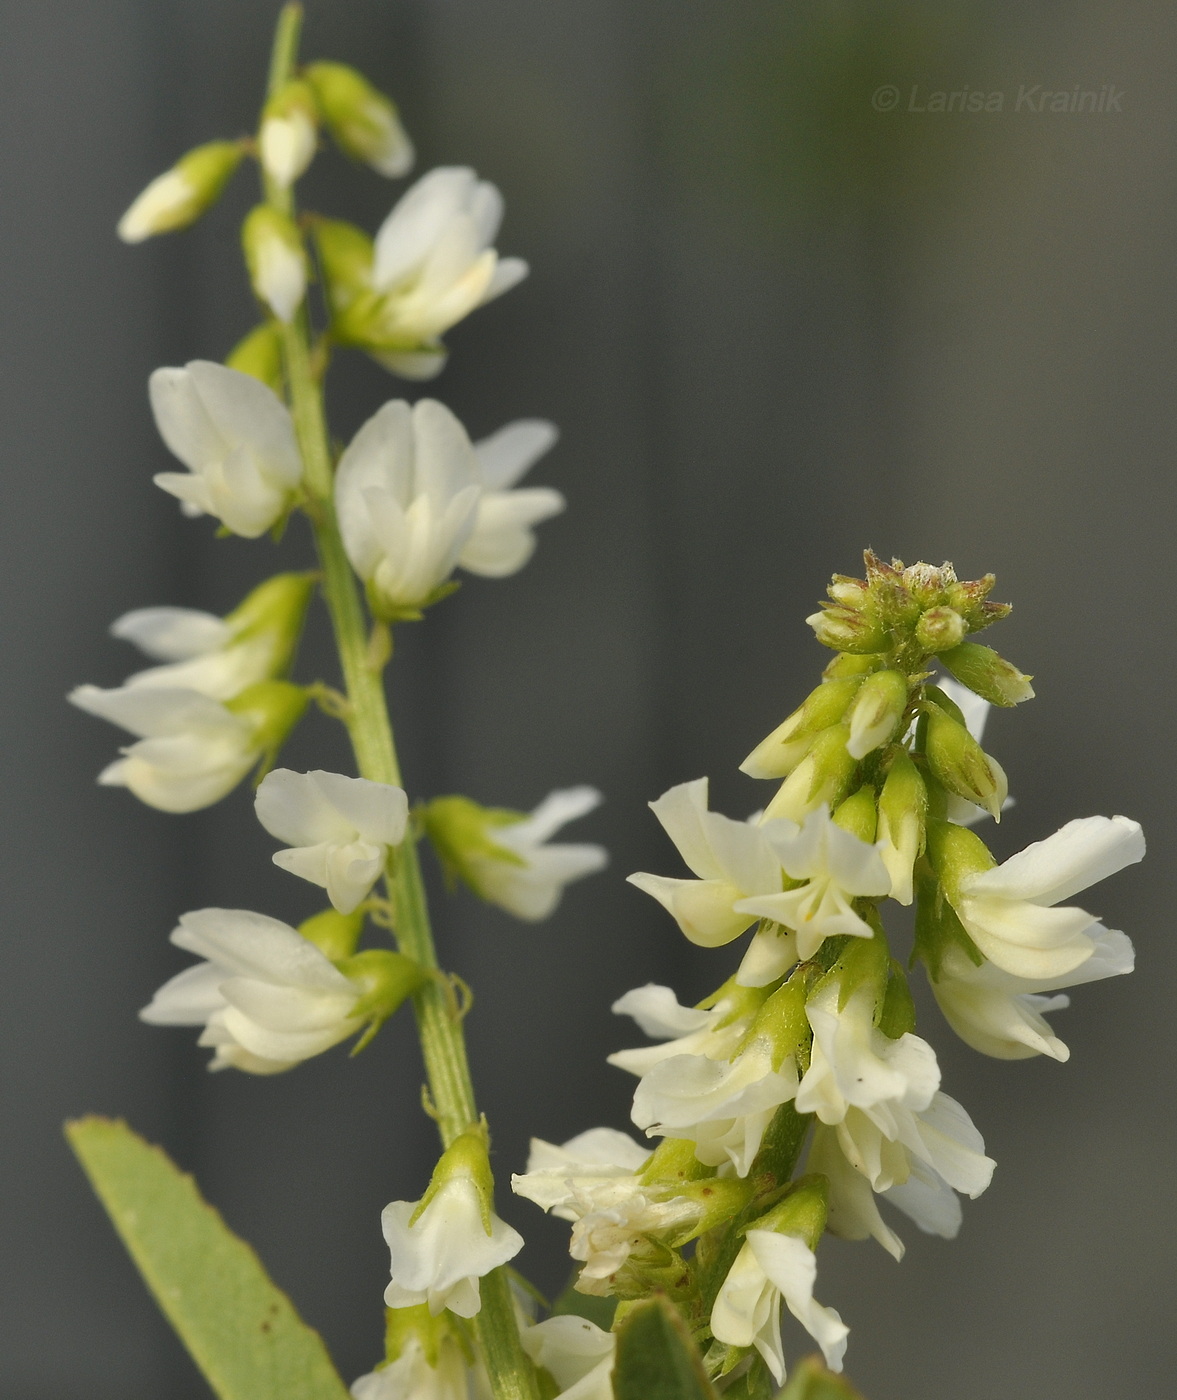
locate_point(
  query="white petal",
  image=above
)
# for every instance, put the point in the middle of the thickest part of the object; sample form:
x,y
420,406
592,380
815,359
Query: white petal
x,y
1080,854
502,539
658,1013
297,809
506,456
188,999
254,945
172,634
247,412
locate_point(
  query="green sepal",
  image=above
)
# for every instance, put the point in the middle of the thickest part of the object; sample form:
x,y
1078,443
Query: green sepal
x,y
273,708
960,763
346,256
937,927
801,1212
859,814
846,664
243,1332
387,980
467,1157
260,354
810,1379
897,1016
673,1160
860,962
402,1325
334,934
781,1022
656,1357
275,609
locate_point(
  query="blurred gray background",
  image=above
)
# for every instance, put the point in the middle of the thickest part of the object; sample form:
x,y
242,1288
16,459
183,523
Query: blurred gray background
x,y
774,325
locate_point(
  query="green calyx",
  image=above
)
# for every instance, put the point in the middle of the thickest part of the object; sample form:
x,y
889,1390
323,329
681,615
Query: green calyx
x,y
794,737
461,832
403,1325
273,708
334,934
987,674
274,613
363,121
465,1159
346,255
958,762
386,980
260,354
802,1212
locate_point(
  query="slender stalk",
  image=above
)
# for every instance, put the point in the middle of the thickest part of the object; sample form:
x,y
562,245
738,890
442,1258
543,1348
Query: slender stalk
x,y
443,1042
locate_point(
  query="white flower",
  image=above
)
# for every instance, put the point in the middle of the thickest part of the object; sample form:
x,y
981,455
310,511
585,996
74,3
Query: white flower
x,y
192,751
836,867
733,860
267,997
1003,1015
576,1353
771,1267
340,829
201,651
853,1212
1008,911
854,1065
434,263
532,888
286,144
411,1377
440,1253
723,1108
407,493
503,539
688,1030
237,440
593,1181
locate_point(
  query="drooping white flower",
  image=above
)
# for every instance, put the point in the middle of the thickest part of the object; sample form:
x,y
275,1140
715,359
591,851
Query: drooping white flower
x,y
530,885
412,1377
192,750
180,195
266,996
853,1212
1003,1015
836,867
854,1065
503,539
435,262
976,713
220,657
442,1247
576,1353
593,1180
1009,911
340,829
237,440
733,860
770,1268
724,1108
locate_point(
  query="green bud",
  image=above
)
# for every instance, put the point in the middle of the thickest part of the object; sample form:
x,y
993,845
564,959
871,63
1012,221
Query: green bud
x,y
903,807
937,927
673,1160
824,775
802,1212
346,256
988,675
273,708
878,709
466,1158
364,123
791,740
856,630
942,699
286,141
970,598
334,934
273,614
858,814
897,1017
844,665
276,260
260,354
939,629
386,979
960,763
182,194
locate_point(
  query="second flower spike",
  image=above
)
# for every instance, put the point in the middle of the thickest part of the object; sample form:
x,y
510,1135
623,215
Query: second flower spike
x,y
340,829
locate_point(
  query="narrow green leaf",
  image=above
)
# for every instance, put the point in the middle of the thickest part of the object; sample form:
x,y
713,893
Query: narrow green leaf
x,y
810,1380
241,1330
656,1358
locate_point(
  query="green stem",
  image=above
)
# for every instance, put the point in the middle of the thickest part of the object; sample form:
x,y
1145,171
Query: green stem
x,y
443,1042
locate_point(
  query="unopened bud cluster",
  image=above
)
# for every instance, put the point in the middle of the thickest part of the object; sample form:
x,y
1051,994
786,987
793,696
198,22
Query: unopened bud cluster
x,y
881,775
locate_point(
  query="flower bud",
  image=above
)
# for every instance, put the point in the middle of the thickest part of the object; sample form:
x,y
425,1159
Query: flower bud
x,y
273,708
903,806
364,123
345,258
986,674
260,355
858,814
182,194
276,260
286,141
274,612
824,775
877,710
844,665
791,740
960,763
970,598
856,630
939,629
